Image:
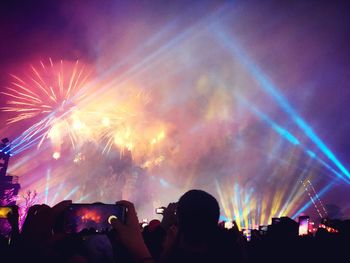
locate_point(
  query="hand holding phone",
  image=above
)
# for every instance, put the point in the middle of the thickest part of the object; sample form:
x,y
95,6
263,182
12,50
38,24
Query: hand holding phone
x,y
129,234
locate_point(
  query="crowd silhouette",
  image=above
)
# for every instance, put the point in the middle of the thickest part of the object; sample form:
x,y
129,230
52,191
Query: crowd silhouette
x,y
189,231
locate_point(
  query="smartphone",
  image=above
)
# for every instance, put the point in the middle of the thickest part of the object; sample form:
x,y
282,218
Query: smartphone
x,y
263,229
92,216
228,225
247,233
4,211
160,210
304,225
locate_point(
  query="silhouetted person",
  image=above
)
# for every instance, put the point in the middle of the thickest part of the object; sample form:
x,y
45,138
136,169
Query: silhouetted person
x,y
198,237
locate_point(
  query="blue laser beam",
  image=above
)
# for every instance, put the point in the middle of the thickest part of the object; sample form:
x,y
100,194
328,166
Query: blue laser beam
x,y
271,90
279,129
287,135
72,192
47,186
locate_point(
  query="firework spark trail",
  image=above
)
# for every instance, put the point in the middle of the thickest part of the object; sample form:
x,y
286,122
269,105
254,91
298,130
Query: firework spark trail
x,y
127,125
312,198
318,198
295,192
124,131
49,93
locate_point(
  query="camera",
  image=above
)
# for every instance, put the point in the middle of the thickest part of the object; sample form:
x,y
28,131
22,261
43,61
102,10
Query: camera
x,y
247,233
229,224
144,223
96,217
160,210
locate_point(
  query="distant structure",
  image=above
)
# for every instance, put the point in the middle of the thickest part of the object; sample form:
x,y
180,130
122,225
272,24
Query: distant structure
x,y
9,186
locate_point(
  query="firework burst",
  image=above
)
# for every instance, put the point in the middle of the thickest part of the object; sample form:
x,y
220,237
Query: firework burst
x,y
125,123
48,95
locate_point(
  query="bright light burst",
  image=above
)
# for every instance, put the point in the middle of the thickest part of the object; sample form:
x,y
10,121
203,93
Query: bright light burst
x,y
52,97
251,205
48,95
214,125
123,121
250,209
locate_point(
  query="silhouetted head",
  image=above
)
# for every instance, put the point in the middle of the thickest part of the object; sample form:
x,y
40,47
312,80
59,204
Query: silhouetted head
x,y
153,224
198,214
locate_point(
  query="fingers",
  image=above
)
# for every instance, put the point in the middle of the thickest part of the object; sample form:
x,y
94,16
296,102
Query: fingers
x,y
172,232
171,207
39,220
61,207
117,225
131,216
37,210
120,229
127,204
33,210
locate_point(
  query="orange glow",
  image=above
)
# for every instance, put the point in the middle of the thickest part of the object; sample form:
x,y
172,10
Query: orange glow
x,y
88,215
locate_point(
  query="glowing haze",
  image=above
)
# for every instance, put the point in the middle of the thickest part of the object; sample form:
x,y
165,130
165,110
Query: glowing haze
x,y
145,102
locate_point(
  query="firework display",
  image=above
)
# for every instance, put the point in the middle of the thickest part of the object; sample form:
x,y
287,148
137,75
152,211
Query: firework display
x,y
48,96
177,105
